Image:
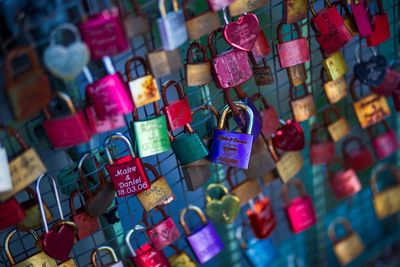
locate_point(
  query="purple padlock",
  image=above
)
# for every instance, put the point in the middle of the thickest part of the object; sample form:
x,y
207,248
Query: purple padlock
x,y
205,242
232,148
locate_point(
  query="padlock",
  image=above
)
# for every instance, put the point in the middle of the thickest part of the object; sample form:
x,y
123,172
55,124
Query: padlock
x,y
370,109
330,30
294,10
334,90
386,202
343,181
380,26
5,179
385,144
163,63
144,89
197,73
322,149
68,263
359,158
261,162
243,33
261,47
270,119
171,26
300,210
262,74
127,172
146,255
110,250
109,95
25,167
87,225
246,190
204,241
302,107
289,137
58,241
159,194
338,127
98,199
390,84
225,207
201,24
335,66
261,216
238,7
348,247
231,148
11,213
98,126
104,33
178,112
258,252
180,258
361,17
66,131
151,134
30,91
216,5
163,233
370,72
32,212
136,23
348,18
230,68
38,259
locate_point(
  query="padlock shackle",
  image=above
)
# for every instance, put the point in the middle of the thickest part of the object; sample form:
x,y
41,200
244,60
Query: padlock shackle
x,y
285,189
327,114
82,177
211,41
69,27
13,132
345,7
377,170
163,10
53,184
332,228
199,213
272,150
294,88
348,141
64,98
157,112
316,131
129,63
352,88
137,228
166,86
109,249
327,3
123,138
210,108
152,169
227,110
213,186
279,31
7,240
16,53
259,96
200,50
146,219
71,201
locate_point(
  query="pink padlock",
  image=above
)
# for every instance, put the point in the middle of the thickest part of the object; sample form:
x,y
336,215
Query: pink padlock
x,y
270,119
344,182
98,126
391,82
361,17
359,158
321,152
300,210
104,34
385,144
109,95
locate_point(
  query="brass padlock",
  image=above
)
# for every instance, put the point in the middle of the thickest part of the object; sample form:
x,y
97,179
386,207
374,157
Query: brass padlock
x,y
32,212
334,90
297,74
135,23
163,63
244,6
303,107
245,190
346,248
262,73
39,259
261,161
180,258
338,128
197,73
116,262
294,10
335,66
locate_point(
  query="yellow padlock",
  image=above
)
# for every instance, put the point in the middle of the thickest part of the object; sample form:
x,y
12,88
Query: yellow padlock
x,y
338,127
335,66
180,258
245,190
68,263
334,90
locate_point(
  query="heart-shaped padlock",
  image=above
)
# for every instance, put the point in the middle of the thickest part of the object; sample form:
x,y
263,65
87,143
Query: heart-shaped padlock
x,y
66,62
290,136
243,33
371,72
223,209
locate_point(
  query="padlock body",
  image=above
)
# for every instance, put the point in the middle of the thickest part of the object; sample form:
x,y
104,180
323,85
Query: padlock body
x,y
345,183
387,202
262,75
297,74
87,225
196,173
289,165
335,90
68,263
390,83
303,108
181,260
261,47
198,73
33,217
163,63
164,233
260,252
335,66
361,18
294,10
178,113
385,144
371,110
381,30
301,214
203,24
159,194
348,248
11,213
135,25
293,52
247,190
172,30
148,256
270,121
322,152
261,161
144,90
97,126
262,218
189,142
339,129
39,259
359,160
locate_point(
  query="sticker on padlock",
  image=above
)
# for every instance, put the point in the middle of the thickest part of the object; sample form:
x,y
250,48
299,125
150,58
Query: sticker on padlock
x,y
110,250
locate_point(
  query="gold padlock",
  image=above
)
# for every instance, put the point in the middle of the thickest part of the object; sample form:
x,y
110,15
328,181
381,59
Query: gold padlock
x,y
386,202
337,128
39,259
335,66
346,248
163,63
110,250
334,90
68,263
197,73
180,258
244,6
245,190
297,74
303,107
294,10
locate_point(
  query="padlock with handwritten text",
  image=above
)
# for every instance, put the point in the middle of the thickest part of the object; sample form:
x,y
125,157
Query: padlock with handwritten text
x,y
335,66
372,71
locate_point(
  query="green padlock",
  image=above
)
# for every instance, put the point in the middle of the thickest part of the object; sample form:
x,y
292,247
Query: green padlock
x,y
151,135
223,209
188,146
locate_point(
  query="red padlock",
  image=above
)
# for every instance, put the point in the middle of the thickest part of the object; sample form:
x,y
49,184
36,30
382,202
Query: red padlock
x,y
97,125
11,213
329,27
261,47
261,217
359,158
321,152
127,173
361,17
344,182
269,116
384,144
380,27
390,84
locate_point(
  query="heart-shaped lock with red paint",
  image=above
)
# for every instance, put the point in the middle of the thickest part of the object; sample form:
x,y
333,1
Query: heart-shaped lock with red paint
x,y
58,241
290,137
243,33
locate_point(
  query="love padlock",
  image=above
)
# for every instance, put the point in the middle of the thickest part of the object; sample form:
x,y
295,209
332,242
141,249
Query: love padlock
x,y
302,107
294,10
384,143
217,5
222,207
335,90
359,158
321,151
110,250
269,116
137,22
343,181
289,136
372,71
261,216
247,189
242,34
180,258
380,26
335,66
197,73
361,17
338,128
261,48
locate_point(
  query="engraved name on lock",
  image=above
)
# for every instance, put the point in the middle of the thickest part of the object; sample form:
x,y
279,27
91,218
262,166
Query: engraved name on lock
x,y
129,185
